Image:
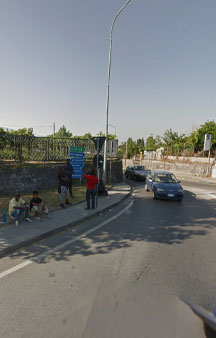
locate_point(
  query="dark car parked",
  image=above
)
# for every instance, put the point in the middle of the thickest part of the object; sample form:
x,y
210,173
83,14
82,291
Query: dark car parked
x,y
136,172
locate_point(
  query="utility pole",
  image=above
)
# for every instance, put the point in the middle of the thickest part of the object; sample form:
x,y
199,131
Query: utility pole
x,y
108,89
126,154
54,129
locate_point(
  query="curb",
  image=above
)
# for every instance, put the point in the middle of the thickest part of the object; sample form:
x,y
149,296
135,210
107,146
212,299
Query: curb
x,y
2,225
50,233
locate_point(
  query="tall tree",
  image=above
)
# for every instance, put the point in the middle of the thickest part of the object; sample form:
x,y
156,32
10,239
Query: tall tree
x,y
170,137
158,141
150,143
141,145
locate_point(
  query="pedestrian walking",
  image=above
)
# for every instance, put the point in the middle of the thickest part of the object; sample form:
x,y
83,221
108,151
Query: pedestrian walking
x,y
91,182
63,187
17,206
69,171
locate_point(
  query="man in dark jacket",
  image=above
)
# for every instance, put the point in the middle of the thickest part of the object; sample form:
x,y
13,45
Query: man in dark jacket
x,y
63,187
69,171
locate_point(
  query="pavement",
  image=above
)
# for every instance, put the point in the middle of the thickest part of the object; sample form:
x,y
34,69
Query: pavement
x,y
13,238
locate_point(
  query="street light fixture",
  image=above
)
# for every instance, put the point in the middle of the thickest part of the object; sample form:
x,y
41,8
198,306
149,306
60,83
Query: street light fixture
x,y
110,125
108,87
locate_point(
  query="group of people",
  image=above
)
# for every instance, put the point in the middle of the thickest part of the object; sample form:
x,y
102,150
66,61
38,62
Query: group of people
x,y
18,206
94,187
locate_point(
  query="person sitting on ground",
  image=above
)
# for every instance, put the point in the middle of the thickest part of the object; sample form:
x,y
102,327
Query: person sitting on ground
x,y
102,191
37,206
69,171
91,182
17,206
63,187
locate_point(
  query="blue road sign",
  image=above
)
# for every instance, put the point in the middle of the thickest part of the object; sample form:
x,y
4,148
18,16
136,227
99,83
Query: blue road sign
x,y
77,160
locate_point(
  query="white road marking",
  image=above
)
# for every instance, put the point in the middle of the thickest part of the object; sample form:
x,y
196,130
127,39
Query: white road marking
x,y
202,193
63,245
213,196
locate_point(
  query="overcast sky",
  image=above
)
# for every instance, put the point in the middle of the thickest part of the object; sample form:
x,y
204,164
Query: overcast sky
x,y
54,56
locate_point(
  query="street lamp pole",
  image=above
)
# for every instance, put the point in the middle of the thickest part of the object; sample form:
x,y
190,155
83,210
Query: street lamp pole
x,y
108,89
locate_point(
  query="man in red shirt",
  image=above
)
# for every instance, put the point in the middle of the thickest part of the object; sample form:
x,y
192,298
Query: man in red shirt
x,y
91,182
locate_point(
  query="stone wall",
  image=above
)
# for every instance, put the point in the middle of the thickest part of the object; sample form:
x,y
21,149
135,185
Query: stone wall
x,y
193,168
37,178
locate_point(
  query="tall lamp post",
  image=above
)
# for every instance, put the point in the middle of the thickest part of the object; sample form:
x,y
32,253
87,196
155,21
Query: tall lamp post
x,y
108,87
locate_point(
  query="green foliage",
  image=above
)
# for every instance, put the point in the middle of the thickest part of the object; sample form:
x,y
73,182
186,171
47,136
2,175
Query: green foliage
x,y
141,145
151,144
133,147
110,136
86,136
63,132
170,137
198,136
158,142
22,132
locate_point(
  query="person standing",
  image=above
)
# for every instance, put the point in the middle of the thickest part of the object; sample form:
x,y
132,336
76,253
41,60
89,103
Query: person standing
x,y
17,206
91,182
69,171
63,187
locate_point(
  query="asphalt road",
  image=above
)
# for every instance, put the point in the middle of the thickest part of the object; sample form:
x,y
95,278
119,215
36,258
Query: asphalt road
x,y
140,257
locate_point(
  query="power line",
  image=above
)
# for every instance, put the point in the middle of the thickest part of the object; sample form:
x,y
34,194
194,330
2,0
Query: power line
x,y
15,126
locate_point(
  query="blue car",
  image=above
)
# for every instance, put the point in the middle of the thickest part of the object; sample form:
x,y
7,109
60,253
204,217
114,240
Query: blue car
x,y
164,185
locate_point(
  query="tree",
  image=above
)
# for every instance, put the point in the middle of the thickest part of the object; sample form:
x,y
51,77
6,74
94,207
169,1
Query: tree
x,y
21,132
141,145
151,144
86,136
198,136
63,132
158,142
170,137
132,146
110,136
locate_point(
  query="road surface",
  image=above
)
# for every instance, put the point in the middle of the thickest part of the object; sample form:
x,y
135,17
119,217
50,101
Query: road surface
x,y
143,248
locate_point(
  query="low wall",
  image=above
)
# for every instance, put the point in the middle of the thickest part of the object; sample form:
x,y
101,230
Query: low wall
x,y
37,178
193,169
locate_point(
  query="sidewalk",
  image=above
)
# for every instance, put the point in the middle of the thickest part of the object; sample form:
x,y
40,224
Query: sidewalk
x,y
189,177
13,238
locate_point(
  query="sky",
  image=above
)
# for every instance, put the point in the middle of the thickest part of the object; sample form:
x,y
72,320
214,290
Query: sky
x,y
54,59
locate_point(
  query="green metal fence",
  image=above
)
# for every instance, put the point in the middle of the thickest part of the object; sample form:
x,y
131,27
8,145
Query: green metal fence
x,y
45,149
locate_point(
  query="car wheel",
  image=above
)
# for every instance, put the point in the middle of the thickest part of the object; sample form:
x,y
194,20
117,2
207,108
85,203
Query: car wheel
x,y
146,187
180,200
154,195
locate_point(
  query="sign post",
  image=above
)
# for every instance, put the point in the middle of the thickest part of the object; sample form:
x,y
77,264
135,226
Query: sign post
x,y
98,160
207,147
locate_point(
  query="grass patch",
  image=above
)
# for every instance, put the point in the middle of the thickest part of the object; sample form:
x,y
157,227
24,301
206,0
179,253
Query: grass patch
x,y
50,196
